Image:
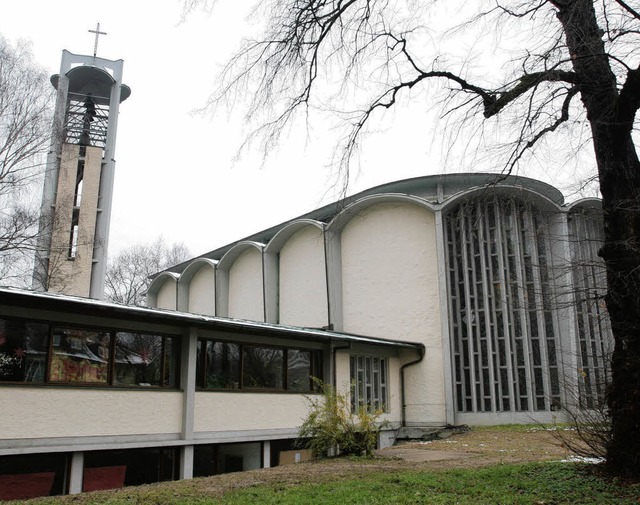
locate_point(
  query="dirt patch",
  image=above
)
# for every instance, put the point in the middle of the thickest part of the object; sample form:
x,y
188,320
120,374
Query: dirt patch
x,y
472,449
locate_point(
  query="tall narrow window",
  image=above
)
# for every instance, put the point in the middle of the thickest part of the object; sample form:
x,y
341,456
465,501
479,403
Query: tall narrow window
x,y
593,329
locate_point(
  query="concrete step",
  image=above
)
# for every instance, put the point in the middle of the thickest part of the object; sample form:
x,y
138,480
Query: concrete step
x,y
428,432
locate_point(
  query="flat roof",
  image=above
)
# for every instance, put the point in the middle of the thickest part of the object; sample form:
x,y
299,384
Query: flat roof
x,y
13,297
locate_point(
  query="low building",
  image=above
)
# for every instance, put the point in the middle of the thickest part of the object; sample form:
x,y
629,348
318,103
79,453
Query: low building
x,y
97,395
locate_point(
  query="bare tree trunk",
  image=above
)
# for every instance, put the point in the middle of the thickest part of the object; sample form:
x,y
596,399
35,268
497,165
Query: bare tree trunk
x,y
610,113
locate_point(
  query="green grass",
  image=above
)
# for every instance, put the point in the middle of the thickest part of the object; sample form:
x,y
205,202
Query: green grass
x,y
535,484
539,483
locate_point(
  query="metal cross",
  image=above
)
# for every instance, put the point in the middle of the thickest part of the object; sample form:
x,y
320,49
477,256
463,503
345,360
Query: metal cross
x,y
98,33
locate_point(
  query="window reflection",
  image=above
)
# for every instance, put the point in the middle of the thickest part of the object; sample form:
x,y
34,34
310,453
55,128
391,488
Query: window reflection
x,y
80,355
23,350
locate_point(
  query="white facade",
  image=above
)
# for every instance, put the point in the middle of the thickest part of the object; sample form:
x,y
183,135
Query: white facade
x,y
487,274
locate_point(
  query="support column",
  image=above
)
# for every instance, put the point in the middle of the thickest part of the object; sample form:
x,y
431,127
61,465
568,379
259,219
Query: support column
x,y
441,246
188,384
186,462
76,473
266,454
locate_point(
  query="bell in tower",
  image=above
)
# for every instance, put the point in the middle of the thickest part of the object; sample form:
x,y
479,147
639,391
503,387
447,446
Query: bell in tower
x,y
77,196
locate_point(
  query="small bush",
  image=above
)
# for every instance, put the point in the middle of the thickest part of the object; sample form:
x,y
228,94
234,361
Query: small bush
x,y
331,427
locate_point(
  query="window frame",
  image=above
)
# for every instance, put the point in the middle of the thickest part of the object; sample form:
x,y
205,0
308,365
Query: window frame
x,y
109,383
315,365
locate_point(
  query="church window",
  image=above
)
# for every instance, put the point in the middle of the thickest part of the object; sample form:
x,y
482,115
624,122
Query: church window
x,y
368,383
501,301
593,329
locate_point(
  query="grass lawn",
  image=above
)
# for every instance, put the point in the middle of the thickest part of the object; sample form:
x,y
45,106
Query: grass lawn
x,y
531,483
536,483
500,465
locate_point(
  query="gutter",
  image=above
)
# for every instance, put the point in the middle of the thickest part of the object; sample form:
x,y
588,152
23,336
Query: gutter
x,y
421,352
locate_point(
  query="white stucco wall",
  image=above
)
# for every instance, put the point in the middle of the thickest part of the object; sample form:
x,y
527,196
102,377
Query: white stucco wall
x,y
390,290
248,411
74,412
246,287
202,292
166,297
303,280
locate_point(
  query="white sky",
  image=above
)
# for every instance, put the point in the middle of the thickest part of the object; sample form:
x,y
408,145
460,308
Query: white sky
x,y
175,174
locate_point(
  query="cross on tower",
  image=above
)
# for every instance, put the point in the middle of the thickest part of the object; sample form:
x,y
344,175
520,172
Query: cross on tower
x,y
98,33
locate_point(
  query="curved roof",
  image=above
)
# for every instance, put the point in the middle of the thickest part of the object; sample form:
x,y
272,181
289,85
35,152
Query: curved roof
x,y
93,81
433,189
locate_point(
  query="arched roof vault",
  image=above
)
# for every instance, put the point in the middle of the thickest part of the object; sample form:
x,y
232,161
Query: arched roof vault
x,y
541,201
282,237
236,251
157,284
352,210
194,267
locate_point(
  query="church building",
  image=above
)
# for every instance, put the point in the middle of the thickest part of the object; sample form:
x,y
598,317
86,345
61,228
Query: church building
x,y
440,300
495,276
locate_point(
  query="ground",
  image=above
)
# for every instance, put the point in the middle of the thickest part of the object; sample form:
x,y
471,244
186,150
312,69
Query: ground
x,y
473,449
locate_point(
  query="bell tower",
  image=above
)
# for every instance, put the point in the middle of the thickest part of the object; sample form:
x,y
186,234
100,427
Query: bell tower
x,y
77,195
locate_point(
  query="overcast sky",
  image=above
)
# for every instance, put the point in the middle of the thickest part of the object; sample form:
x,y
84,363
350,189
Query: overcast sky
x,y
175,172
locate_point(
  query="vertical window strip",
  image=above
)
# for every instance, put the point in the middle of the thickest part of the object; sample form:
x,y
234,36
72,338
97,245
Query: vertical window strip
x,y
501,307
593,331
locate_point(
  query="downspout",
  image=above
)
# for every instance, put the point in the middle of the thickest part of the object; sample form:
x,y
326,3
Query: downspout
x,y
421,352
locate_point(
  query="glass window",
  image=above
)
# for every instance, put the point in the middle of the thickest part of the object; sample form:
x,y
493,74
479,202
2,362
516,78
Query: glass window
x,y
263,367
368,382
222,365
80,355
138,359
23,350
171,362
299,370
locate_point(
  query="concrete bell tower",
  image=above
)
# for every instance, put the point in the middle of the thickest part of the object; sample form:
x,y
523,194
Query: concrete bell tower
x,y
77,196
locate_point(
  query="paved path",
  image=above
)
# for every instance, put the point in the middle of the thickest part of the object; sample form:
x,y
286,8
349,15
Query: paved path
x,y
420,455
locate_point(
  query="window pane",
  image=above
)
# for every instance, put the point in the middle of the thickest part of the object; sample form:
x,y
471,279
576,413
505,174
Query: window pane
x,y
138,359
262,367
80,356
298,370
171,362
199,363
23,350
223,365
369,379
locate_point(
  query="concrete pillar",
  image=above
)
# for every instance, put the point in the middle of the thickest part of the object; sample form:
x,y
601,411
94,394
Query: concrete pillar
x,y
188,384
186,462
76,473
266,454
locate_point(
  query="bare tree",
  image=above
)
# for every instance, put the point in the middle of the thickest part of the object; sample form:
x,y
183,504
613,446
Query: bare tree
x,y
576,64
128,272
25,120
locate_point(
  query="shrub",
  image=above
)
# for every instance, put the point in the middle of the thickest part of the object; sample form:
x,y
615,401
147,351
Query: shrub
x,y
331,428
